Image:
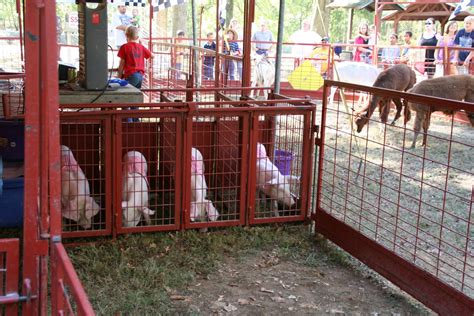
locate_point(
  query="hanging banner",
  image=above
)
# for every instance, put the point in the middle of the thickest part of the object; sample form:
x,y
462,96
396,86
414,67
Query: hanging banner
x,y
165,4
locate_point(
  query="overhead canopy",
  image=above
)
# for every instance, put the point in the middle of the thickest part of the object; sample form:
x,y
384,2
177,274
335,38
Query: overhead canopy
x,y
362,4
422,11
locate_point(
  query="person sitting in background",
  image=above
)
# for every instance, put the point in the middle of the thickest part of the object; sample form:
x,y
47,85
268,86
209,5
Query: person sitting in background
x,y
208,63
361,52
320,56
391,55
446,41
262,40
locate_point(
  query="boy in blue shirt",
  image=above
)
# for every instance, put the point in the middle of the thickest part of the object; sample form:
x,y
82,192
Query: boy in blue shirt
x,y
208,63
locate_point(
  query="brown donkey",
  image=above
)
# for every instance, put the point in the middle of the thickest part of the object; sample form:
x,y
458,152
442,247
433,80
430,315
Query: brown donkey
x,y
399,77
456,87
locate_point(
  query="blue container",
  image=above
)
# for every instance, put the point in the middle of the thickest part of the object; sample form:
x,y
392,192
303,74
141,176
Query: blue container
x,y
283,160
12,138
11,200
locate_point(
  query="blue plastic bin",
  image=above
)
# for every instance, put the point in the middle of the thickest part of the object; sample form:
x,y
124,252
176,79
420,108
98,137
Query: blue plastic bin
x,y
283,160
11,200
13,134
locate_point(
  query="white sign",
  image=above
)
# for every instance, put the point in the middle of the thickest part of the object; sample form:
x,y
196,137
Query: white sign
x,y
73,19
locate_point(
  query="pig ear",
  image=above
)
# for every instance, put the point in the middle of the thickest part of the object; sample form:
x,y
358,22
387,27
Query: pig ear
x,y
92,208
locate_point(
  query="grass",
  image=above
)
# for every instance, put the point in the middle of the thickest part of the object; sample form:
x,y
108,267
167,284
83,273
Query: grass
x,y
134,274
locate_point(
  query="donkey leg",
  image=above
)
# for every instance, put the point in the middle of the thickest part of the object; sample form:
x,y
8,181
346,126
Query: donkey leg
x,y
399,105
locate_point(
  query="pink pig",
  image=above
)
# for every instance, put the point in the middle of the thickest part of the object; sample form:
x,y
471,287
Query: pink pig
x,y
135,189
76,201
200,206
271,182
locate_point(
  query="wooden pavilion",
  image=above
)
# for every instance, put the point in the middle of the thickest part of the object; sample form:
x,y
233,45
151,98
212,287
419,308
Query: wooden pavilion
x,y
420,11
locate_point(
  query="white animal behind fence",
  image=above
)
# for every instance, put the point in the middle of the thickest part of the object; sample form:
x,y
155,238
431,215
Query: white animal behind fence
x,y
201,207
272,183
76,201
264,74
135,189
356,73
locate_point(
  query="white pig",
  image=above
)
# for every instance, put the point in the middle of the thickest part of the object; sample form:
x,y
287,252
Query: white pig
x,y
76,201
200,206
135,189
271,182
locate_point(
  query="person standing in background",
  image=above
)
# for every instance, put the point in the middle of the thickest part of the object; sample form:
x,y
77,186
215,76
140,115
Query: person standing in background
x,y
446,41
465,38
361,52
120,22
135,18
132,61
406,51
391,55
234,25
179,53
429,37
233,50
304,36
208,63
262,40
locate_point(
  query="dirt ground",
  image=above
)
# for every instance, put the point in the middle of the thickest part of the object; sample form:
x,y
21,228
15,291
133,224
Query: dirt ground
x,y
262,284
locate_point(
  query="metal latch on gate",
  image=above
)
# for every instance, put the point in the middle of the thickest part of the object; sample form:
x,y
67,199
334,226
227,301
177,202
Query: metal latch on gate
x,y
12,298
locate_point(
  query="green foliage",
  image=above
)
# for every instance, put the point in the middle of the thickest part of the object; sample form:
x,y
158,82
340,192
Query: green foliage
x,y
8,15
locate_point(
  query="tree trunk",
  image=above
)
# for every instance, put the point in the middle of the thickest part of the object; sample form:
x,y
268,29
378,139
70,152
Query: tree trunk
x,y
180,19
229,9
321,17
161,18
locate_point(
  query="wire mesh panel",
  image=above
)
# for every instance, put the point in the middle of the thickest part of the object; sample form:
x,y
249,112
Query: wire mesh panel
x,y
278,149
85,166
9,276
414,202
218,160
11,95
149,190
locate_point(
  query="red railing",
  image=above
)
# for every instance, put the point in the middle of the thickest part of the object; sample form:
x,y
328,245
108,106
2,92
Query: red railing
x,y
67,295
164,134
9,276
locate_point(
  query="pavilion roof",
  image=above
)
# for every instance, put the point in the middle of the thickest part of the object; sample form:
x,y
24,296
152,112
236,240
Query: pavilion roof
x,y
362,4
422,11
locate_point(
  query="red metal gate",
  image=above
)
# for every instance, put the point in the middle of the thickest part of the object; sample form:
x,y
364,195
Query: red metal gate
x,y
407,213
164,136
9,276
